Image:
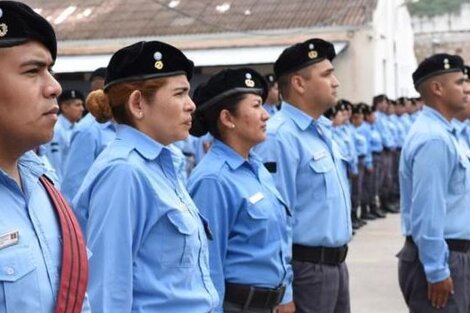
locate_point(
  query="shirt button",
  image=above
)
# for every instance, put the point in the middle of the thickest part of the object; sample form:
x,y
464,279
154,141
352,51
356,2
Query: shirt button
x,y
10,270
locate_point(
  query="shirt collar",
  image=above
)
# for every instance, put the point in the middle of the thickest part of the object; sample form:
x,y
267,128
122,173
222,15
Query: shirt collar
x,y
437,116
458,125
233,159
64,122
300,118
143,144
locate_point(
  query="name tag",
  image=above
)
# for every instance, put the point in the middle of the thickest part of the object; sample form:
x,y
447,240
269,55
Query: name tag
x,y
256,197
319,155
9,239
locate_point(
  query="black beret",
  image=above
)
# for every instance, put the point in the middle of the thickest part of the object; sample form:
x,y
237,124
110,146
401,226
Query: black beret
x,y
302,55
99,72
357,109
147,60
331,112
437,64
70,94
20,24
227,83
270,79
347,105
367,109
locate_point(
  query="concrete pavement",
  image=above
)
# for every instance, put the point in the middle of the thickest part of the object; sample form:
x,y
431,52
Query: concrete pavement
x,y
373,267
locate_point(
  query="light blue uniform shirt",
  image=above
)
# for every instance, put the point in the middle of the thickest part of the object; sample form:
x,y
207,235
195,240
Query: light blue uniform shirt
x,y
57,149
345,134
88,140
382,124
361,139
400,129
375,140
406,121
435,191
271,109
201,146
149,244
252,225
311,176
30,267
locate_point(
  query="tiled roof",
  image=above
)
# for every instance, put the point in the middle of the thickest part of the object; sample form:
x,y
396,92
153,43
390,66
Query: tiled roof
x,y
110,19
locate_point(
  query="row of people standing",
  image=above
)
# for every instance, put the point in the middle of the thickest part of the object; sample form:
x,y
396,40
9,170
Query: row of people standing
x,y
361,134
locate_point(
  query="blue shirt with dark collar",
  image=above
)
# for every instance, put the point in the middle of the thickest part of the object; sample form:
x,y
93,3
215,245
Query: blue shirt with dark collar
x,y
435,191
149,243
310,173
251,223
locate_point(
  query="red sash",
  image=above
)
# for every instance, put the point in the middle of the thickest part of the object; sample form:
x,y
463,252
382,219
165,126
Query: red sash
x,y
74,272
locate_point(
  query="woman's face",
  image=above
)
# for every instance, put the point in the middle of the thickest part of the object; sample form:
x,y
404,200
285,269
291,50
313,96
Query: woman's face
x,y
250,120
167,117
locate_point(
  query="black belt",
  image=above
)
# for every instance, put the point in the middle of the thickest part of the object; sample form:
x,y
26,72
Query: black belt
x,y
376,153
253,297
322,255
459,245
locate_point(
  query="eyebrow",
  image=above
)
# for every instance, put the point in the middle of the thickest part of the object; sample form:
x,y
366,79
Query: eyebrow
x,y
38,63
181,88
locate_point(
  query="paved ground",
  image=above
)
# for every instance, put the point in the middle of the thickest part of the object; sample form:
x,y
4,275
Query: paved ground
x,y
373,267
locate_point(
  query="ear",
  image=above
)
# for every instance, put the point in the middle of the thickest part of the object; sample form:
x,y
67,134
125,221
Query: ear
x,y
436,88
135,104
297,83
226,119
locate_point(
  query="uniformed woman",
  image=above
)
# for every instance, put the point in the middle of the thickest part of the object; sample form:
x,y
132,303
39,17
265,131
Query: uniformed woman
x,y
250,253
148,241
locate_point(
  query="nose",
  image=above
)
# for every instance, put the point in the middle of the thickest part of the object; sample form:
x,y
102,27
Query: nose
x,y
335,82
53,88
264,115
190,105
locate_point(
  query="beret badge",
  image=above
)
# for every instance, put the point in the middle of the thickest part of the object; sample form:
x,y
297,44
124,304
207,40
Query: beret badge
x,y
446,64
3,29
249,82
158,60
312,54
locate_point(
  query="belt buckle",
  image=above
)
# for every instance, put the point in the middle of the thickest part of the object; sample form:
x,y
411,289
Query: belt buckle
x,y
274,294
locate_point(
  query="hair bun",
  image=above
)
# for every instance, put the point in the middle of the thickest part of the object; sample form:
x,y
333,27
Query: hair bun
x,y
97,103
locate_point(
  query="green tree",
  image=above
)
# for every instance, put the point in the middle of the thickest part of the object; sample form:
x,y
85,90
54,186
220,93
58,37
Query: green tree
x,y
434,7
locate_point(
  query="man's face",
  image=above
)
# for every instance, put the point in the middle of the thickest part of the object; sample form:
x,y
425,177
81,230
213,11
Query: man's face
x,y
454,91
73,109
28,92
322,84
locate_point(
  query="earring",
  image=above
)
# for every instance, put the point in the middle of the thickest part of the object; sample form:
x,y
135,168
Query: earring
x,y
232,126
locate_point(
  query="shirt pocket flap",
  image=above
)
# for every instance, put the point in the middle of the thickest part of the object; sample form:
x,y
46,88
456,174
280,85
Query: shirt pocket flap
x,y
256,211
183,222
321,166
15,262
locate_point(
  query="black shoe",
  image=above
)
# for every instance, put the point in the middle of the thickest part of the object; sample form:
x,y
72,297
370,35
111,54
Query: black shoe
x,y
391,209
377,212
356,225
368,216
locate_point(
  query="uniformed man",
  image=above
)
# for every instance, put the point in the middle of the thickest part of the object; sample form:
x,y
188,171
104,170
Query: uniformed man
x,y
71,110
272,101
380,104
435,193
311,175
43,259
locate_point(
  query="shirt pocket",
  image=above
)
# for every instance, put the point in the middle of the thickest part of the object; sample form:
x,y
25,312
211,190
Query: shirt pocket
x,y
461,184
324,180
17,275
181,243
